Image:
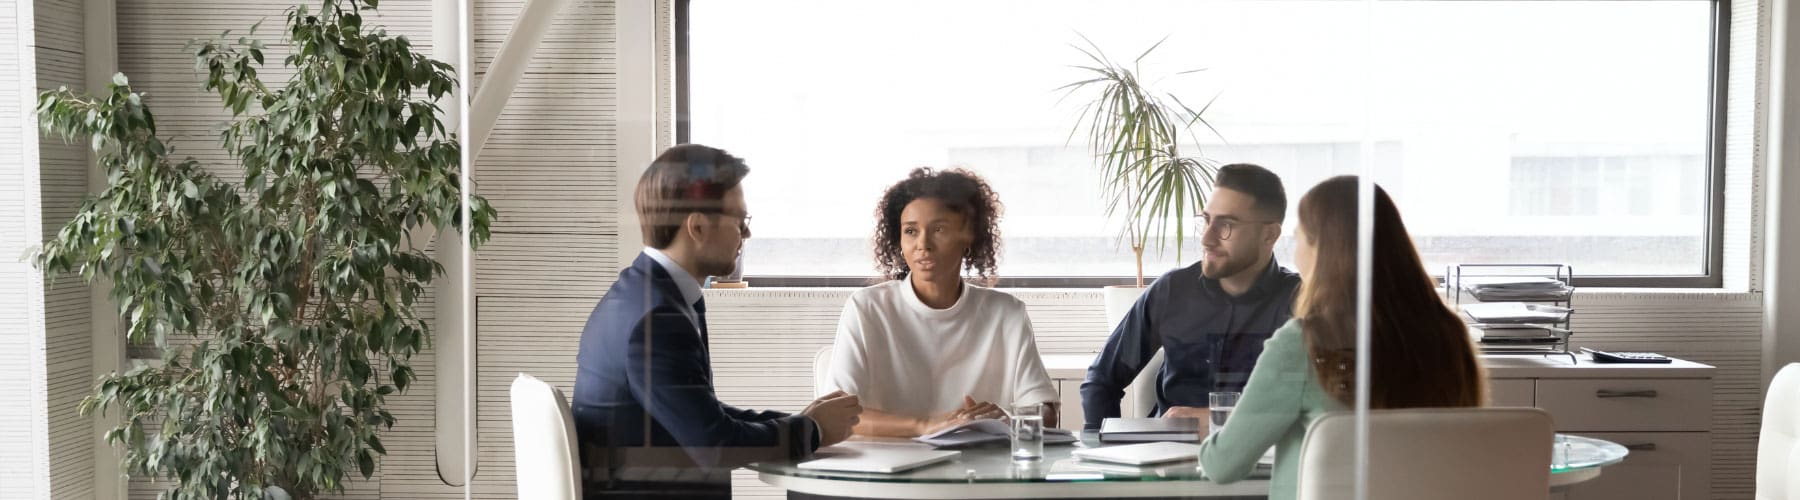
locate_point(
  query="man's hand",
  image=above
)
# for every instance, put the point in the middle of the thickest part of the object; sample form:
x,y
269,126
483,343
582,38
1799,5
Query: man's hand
x,y
1202,414
835,414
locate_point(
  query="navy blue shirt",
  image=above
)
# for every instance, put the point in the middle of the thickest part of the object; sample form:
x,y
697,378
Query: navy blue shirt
x,y
1210,339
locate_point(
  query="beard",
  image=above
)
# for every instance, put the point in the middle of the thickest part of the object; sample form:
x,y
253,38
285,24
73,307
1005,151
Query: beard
x,y
1219,268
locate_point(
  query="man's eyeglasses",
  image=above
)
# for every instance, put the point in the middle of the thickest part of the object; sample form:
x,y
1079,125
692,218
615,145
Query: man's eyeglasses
x,y
1225,225
743,220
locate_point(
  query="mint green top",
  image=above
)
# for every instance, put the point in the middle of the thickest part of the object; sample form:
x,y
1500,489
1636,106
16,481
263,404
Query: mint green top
x,y
1281,399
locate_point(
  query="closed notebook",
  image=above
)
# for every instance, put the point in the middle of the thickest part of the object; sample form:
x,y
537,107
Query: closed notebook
x,y
1126,430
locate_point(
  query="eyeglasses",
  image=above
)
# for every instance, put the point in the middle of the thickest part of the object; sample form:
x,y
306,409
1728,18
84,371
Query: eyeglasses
x,y
743,220
1225,226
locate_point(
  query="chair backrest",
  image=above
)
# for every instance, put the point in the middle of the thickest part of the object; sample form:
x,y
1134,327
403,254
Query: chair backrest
x,y
1437,453
544,441
822,372
1142,392
1778,450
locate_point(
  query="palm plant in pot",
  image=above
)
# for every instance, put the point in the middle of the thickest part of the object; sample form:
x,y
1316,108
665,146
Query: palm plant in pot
x,y
286,305
1134,133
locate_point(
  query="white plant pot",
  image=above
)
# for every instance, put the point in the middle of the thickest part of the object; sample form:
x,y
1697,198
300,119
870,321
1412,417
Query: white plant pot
x,y
1119,300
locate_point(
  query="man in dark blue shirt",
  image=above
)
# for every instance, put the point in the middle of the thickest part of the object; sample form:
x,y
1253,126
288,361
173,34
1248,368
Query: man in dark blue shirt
x,y
1210,319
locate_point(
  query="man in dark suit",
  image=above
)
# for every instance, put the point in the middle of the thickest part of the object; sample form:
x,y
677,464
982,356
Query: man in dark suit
x,y
649,422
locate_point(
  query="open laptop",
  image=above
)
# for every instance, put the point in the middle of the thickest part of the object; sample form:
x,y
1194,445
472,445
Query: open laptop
x,y
879,460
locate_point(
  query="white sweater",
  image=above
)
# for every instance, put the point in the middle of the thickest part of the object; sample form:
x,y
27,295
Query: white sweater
x,y
905,358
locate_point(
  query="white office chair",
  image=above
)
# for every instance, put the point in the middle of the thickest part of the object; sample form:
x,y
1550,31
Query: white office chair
x,y
1438,453
822,372
544,441
1140,396
1778,450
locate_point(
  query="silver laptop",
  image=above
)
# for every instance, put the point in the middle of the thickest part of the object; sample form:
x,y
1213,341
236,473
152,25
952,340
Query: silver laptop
x,y
1142,454
880,460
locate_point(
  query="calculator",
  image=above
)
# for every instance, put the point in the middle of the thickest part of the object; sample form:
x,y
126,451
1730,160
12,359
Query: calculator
x,y
1626,357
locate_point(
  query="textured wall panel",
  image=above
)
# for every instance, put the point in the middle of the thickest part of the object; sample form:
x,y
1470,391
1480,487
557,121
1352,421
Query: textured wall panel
x,y
548,167
62,171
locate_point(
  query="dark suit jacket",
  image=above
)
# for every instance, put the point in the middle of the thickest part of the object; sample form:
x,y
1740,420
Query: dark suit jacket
x,y
644,389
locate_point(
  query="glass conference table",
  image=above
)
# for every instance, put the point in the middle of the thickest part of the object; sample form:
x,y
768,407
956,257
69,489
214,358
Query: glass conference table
x,y
989,472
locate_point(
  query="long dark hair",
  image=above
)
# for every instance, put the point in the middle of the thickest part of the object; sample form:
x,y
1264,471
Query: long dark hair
x,y
964,193
1419,351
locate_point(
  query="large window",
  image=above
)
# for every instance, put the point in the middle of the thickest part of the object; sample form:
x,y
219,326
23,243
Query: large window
x,y
1509,131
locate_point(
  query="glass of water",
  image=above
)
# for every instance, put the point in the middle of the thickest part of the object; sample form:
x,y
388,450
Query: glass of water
x,y
1221,404
1027,432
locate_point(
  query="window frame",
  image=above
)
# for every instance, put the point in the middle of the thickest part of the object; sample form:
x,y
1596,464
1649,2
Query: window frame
x,y
1714,265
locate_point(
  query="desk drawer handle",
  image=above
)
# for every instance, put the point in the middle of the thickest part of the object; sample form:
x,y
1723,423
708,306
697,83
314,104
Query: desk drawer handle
x,y
1641,447
1609,393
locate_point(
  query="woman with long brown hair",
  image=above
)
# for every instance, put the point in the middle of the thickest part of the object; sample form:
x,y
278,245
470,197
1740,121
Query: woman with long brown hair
x,y
1420,354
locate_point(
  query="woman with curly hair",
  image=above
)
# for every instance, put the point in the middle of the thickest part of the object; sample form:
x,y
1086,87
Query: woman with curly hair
x,y
926,350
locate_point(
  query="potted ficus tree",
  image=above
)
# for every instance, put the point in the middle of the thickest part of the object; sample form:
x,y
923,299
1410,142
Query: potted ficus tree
x,y
284,305
1134,133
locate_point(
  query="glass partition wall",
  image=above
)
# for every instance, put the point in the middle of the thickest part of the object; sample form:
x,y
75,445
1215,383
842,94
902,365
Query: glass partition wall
x,y
1015,238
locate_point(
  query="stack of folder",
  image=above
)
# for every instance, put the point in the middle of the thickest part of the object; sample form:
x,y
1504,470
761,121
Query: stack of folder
x,y
1516,288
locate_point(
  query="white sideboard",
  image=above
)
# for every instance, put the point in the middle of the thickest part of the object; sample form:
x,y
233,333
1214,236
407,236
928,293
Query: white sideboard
x,y
1663,412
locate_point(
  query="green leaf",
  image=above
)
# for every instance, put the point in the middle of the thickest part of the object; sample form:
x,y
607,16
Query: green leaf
x,y
366,463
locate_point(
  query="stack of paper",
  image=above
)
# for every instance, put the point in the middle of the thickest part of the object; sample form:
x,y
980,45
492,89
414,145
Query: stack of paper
x,y
1516,313
1520,337
986,431
1516,288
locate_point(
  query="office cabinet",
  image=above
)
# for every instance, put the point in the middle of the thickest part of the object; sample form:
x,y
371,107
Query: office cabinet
x,y
1512,392
1667,405
1659,467
1069,392
1662,413
1067,372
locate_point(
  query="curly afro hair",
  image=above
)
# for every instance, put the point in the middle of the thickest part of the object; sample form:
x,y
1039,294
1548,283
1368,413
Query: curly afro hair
x,y
960,190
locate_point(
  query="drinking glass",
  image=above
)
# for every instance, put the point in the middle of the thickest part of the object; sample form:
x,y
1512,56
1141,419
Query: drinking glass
x,y
1221,404
1027,432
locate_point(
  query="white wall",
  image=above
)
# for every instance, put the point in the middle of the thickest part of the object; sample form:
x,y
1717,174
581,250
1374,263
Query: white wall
x,y
24,470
